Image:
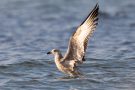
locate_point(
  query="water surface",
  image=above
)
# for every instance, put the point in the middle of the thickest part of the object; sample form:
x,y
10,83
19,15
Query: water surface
x,y
30,28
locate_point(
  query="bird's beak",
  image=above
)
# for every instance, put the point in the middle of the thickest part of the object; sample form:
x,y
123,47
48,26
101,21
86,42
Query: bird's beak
x,y
49,53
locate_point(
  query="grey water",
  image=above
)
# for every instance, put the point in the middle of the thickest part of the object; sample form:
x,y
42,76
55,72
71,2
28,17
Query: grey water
x,y
30,28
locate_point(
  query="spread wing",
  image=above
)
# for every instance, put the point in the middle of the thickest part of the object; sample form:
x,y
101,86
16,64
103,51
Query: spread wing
x,y
79,40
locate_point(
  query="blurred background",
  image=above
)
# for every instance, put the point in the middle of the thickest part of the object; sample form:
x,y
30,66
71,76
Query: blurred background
x,y
30,28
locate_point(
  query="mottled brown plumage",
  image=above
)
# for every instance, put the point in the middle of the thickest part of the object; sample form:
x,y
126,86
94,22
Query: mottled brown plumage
x,y
77,45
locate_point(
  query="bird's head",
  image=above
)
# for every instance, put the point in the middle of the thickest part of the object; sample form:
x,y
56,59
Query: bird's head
x,y
54,51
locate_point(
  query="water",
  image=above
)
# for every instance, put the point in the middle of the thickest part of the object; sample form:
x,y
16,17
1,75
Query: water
x,y
30,28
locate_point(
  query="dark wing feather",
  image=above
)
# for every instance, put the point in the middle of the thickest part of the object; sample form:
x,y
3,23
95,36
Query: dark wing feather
x,y
79,40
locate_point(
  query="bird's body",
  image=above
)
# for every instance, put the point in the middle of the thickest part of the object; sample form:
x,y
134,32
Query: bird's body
x,y
77,46
65,66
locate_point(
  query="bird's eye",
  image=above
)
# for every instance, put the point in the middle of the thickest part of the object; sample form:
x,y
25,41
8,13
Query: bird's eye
x,y
55,51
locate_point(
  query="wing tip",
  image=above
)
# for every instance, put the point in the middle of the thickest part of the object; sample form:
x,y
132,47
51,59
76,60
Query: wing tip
x,y
96,8
97,5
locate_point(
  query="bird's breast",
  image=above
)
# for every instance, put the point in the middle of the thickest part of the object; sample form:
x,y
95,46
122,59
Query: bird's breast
x,y
60,66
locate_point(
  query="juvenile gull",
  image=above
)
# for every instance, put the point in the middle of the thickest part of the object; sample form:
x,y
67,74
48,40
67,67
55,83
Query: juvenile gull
x,y
77,46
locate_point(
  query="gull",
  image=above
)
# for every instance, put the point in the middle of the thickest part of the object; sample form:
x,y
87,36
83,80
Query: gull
x,y
78,42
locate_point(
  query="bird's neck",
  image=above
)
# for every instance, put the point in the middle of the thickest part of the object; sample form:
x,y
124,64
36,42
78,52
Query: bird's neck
x,y
58,56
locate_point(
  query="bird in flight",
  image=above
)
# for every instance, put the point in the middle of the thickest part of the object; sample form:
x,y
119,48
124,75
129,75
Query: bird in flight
x,y
75,54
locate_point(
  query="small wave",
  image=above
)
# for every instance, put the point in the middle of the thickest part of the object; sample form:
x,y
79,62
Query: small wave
x,y
5,38
132,24
76,79
3,81
116,14
130,5
30,63
130,58
7,62
105,14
